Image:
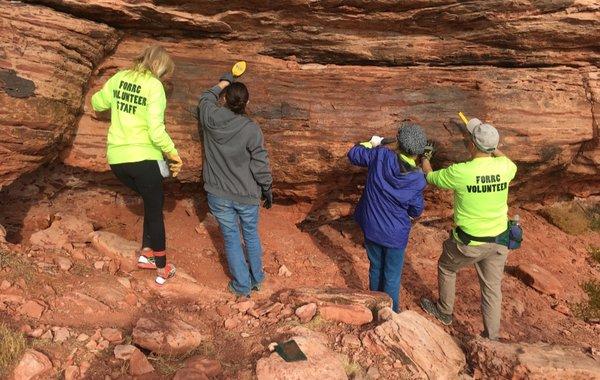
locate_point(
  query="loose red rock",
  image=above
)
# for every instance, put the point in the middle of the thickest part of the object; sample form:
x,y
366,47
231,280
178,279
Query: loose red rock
x,y
139,364
306,312
539,278
32,364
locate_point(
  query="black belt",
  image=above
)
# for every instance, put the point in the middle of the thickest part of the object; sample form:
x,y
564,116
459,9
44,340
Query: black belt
x,y
467,238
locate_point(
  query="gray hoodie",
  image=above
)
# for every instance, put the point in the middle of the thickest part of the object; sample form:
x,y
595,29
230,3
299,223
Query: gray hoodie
x,y
236,164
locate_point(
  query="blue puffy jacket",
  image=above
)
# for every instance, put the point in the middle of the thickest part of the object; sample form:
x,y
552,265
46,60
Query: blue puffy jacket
x,y
393,193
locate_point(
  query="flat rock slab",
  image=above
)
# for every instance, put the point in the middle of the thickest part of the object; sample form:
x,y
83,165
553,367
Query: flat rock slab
x,y
180,287
322,363
420,344
530,361
539,278
107,290
64,229
116,247
350,314
338,296
78,309
32,309
166,337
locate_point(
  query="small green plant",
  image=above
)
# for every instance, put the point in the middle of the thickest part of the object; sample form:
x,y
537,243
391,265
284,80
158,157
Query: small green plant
x,y
595,253
595,217
569,218
17,265
316,324
13,345
166,365
589,310
352,369
595,224
81,270
169,364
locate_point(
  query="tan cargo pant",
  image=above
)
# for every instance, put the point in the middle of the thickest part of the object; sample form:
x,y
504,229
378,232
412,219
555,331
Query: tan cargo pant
x,y
489,260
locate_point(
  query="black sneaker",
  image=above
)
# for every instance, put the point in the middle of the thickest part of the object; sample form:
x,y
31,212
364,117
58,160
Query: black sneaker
x,y
257,287
431,308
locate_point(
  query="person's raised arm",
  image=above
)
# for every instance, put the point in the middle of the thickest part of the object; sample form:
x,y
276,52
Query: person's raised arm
x,y
208,103
361,154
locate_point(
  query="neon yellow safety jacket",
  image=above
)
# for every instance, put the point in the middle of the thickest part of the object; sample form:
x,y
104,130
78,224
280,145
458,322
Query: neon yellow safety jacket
x,y
137,130
480,193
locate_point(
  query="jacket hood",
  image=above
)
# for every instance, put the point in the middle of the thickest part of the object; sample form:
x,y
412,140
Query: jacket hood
x,y
404,179
230,124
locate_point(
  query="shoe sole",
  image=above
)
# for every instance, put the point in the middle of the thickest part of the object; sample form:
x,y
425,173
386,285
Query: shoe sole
x,y
146,266
162,280
144,263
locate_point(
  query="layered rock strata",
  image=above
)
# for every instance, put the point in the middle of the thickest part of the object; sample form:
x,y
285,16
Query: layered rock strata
x,y
312,114
46,58
322,76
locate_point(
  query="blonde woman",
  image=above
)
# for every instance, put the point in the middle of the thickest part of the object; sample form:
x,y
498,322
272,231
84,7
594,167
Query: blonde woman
x,y
137,141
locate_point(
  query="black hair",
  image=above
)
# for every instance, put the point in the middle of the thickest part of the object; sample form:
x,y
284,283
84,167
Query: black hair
x,y
236,97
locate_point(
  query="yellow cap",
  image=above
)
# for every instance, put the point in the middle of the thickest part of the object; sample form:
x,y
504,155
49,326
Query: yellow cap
x,y
238,69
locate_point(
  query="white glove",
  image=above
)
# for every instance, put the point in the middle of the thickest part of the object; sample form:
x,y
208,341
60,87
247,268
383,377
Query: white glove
x,y
376,141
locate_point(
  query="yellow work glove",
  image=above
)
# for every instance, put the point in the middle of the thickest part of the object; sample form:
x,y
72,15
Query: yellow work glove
x,y
175,163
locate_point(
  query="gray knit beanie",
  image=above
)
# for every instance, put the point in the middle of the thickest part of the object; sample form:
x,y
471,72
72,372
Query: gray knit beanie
x,y
411,138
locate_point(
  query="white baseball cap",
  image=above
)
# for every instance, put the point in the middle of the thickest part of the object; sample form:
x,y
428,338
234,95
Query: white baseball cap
x,y
485,136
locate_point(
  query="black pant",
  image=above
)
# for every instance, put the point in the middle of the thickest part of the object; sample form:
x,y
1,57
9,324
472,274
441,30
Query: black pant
x,y
145,179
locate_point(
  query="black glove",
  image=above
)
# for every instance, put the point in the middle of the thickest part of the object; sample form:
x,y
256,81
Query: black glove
x,y
429,150
267,196
228,77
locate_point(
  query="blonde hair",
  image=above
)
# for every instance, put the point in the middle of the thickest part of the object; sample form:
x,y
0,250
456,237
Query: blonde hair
x,y
156,60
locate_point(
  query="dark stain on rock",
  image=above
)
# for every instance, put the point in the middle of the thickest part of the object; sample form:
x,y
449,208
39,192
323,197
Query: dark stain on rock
x,y
325,154
548,152
549,6
283,111
16,86
290,111
292,159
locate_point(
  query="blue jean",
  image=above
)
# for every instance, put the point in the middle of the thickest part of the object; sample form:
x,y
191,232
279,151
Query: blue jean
x,y
385,270
246,271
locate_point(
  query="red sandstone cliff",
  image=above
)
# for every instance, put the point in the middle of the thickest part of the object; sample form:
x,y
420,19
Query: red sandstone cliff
x,y
323,74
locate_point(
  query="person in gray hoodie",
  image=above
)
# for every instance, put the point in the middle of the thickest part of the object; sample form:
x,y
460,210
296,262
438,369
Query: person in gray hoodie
x,y
236,176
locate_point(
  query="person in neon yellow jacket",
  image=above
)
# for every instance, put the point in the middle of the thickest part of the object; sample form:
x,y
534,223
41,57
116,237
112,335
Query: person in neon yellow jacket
x,y
480,188
137,141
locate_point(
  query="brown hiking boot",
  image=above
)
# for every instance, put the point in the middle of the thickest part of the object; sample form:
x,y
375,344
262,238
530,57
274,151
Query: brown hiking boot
x,y
431,308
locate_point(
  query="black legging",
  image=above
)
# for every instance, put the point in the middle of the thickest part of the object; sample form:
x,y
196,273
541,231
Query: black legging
x,y
145,179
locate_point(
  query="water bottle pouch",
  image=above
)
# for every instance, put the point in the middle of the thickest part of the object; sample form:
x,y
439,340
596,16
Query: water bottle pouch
x,y
515,235
512,237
